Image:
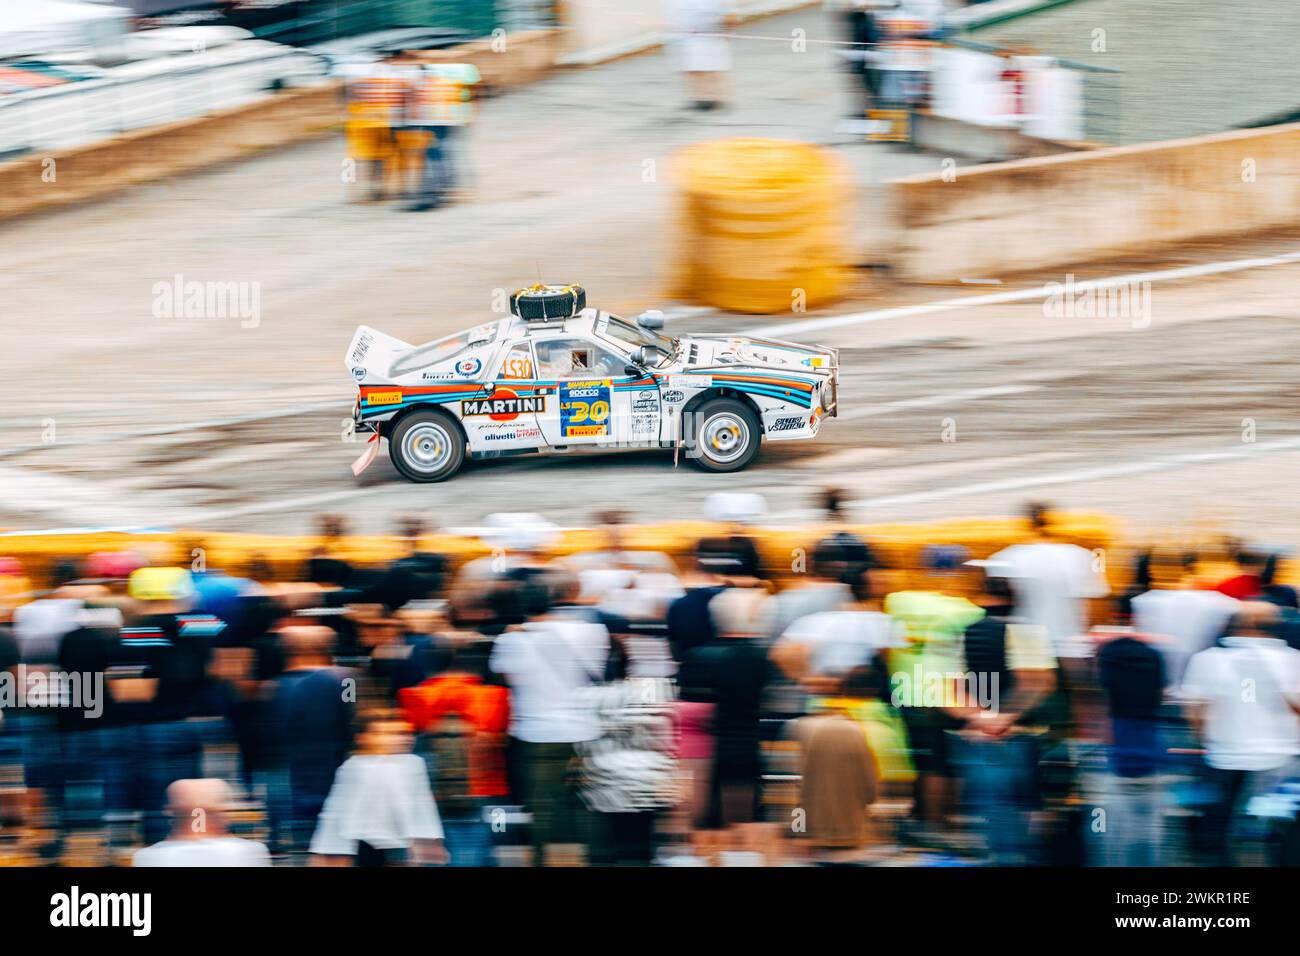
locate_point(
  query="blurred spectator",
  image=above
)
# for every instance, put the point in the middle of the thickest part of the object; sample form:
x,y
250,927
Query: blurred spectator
x,y
440,108
1247,584
1007,668
161,684
1283,595
374,94
1052,580
932,624
380,810
628,773
461,724
1244,699
720,563
198,835
822,588
702,53
734,669
310,724
838,783
550,661
1131,670
40,625
1191,617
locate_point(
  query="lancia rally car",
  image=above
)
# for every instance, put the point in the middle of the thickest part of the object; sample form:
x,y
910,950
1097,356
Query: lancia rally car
x,y
557,377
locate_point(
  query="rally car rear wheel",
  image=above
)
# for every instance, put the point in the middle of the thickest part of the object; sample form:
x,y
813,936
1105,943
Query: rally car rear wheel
x,y
427,446
725,435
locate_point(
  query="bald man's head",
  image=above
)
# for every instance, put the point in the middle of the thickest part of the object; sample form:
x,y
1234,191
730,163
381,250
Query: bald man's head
x,y
1255,619
198,807
308,641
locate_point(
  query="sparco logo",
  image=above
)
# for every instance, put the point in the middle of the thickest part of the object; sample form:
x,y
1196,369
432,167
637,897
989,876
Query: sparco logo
x,y
74,909
786,424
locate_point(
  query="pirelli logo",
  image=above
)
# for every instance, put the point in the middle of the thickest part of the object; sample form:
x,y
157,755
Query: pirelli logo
x,y
503,405
384,398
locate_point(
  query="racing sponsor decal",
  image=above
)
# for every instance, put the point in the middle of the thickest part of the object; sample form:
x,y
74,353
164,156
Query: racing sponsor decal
x,y
358,373
518,366
647,401
469,367
364,341
690,381
384,398
814,361
787,424
584,408
513,433
504,405
674,397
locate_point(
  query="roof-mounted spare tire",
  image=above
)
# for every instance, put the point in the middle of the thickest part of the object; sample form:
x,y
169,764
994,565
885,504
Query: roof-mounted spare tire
x,y
542,303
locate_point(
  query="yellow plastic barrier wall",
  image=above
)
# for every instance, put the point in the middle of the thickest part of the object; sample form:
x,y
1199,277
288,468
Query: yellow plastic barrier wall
x,y
765,225
785,552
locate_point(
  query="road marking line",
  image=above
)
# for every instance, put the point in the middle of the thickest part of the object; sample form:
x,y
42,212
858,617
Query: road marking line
x,y
1024,295
1087,474
157,430
952,397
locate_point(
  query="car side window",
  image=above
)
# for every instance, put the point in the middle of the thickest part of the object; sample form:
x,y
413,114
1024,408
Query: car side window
x,y
519,362
577,358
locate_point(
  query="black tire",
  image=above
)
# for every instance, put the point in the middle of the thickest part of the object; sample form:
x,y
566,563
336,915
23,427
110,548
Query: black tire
x,y
427,446
548,302
711,422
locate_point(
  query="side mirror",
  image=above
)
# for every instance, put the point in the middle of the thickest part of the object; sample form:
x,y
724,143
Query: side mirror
x,y
639,356
651,319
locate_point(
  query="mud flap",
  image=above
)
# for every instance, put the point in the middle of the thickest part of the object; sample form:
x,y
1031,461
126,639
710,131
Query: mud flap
x,y
367,457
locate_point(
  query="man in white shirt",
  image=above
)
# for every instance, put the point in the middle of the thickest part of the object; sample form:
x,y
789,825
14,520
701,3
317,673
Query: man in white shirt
x,y
1194,619
199,836
549,662
1052,581
1244,699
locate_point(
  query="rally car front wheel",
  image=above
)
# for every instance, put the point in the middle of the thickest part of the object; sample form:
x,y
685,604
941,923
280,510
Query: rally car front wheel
x,y
725,434
427,446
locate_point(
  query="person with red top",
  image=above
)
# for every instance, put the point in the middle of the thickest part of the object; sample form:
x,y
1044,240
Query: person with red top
x,y
462,723
1248,584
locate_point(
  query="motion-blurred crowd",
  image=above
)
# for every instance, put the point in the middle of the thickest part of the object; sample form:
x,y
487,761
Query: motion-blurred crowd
x,y
615,707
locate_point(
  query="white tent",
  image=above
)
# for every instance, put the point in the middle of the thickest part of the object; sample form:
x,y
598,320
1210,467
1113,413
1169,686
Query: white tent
x,y
35,27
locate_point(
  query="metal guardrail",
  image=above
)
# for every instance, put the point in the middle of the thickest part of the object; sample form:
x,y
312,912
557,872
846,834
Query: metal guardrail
x,y
60,117
1102,89
474,18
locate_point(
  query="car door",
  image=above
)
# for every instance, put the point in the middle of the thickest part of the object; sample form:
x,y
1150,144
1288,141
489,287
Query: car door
x,y
505,418
590,386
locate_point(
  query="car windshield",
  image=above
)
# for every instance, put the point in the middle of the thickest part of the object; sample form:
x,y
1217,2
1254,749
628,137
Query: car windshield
x,y
630,335
436,352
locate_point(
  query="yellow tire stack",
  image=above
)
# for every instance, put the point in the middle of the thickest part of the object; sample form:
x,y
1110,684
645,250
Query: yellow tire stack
x,y
765,225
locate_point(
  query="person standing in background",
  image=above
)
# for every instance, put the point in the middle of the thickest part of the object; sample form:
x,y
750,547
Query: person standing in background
x,y
199,836
1131,670
1053,581
1244,699
441,95
702,52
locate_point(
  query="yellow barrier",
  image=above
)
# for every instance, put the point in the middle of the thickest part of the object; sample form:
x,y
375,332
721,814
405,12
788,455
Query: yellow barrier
x,y
783,551
765,225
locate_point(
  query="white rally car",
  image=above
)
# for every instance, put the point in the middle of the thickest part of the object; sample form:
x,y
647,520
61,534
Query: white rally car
x,y
557,377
